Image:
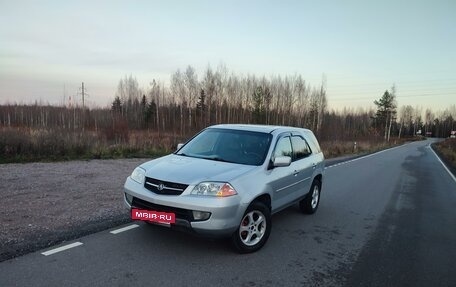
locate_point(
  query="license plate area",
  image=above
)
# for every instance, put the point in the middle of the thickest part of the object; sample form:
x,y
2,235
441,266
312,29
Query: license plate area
x,y
153,216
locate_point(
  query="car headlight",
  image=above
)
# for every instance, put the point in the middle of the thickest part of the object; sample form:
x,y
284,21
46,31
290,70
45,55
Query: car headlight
x,y
138,175
220,189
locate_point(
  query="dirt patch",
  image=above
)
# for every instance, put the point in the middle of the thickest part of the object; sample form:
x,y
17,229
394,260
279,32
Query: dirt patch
x,y
47,203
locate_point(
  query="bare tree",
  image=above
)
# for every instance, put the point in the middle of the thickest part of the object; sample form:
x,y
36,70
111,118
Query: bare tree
x,y
405,120
192,89
178,89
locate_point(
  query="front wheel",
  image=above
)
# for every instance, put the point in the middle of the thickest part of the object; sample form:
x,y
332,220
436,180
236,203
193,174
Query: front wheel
x,y
310,203
254,228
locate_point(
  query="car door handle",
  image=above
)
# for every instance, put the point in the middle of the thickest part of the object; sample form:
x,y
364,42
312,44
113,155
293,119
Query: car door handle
x,y
296,172
314,165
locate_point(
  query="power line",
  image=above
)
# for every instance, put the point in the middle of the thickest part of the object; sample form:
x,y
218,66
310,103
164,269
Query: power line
x,y
398,85
374,98
443,91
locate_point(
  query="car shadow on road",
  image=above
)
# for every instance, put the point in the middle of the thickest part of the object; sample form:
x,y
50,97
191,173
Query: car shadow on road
x,y
156,236
178,240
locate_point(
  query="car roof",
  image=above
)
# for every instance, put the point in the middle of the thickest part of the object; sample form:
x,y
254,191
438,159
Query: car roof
x,y
258,128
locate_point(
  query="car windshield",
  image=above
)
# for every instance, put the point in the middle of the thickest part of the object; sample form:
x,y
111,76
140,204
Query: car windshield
x,y
227,145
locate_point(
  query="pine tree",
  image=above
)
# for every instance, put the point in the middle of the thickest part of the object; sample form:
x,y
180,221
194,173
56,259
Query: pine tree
x,y
386,110
201,106
116,105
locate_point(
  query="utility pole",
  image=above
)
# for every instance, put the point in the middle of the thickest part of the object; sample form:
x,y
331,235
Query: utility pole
x,y
82,91
64,95
83,95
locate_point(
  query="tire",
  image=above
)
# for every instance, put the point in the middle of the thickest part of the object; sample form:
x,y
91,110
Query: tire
x,y
310,203
254,228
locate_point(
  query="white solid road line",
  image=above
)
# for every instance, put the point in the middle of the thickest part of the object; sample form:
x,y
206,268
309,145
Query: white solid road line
x,y
446,168
61,248
124,229
366,156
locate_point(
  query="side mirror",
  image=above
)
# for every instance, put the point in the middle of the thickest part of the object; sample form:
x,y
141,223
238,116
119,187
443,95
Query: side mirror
x,y
282,161
179,146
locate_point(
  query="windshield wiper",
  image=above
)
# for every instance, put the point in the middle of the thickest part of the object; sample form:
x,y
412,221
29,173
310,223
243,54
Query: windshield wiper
x,y
187,155
217,158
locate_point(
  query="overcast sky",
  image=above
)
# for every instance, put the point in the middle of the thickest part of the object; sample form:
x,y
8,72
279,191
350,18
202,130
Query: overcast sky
x,y
47,48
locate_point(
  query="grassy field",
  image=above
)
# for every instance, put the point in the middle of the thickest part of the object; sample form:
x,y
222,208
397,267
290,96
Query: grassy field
x,y
32,145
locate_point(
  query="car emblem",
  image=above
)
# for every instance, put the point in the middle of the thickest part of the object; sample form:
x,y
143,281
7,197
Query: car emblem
x,y
161,186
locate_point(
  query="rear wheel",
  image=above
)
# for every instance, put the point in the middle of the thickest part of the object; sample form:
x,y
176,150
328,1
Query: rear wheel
x,y
310,203
254,228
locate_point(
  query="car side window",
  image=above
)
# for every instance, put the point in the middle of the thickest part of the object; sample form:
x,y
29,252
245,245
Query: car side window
x,y
283,147
300,147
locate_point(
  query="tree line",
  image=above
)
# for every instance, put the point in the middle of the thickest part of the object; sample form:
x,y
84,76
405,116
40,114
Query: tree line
x,y
191,102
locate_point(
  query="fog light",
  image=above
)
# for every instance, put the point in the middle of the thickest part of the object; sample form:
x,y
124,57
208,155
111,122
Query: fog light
x,y
201,215
129,198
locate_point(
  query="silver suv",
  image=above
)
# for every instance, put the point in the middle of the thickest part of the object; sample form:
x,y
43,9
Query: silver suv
x,y
227,181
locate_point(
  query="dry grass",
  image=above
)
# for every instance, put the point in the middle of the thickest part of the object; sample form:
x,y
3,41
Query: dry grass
x,y
31,145
447,150
28,145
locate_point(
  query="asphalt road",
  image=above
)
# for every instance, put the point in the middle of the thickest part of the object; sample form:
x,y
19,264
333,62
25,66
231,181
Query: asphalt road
x,y
388,219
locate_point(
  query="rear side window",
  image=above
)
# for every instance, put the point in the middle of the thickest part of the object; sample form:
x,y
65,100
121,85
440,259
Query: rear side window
x,y
300,147
313,142
283,147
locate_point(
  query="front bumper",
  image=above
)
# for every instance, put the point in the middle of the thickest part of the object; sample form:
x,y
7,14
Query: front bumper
x,y
226,213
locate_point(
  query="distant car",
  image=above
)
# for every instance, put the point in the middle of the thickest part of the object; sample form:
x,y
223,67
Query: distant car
x,y
228,180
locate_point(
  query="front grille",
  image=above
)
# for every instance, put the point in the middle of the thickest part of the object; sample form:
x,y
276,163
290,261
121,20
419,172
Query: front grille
x,y
179,212
164,187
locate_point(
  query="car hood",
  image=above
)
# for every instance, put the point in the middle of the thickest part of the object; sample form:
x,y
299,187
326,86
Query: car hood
x,y
189,170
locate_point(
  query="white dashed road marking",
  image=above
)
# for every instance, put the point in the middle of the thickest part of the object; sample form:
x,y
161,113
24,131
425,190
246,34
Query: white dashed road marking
x,y
124,229
75,244
61,248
